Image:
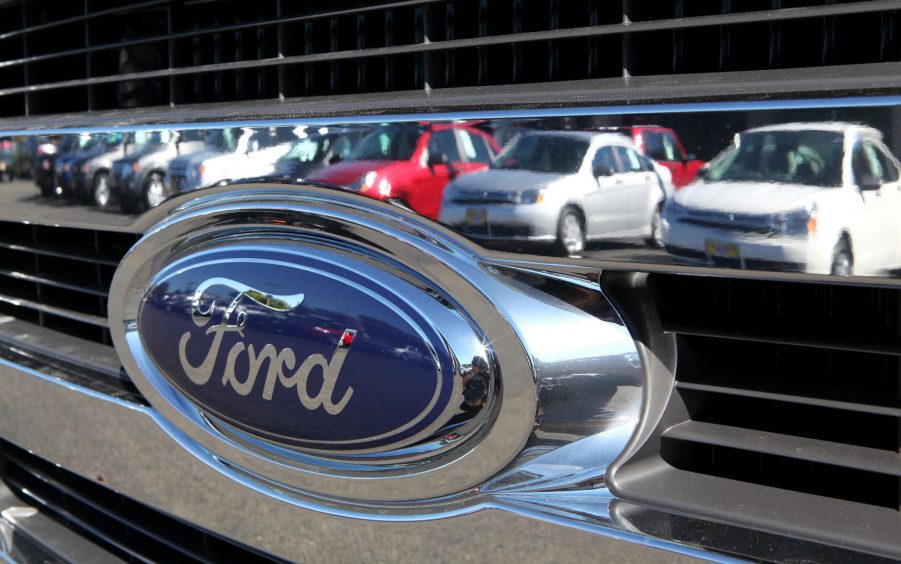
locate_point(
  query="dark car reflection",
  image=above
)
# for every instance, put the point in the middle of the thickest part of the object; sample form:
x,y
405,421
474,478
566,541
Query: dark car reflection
x,y
814,197
137,181
317,149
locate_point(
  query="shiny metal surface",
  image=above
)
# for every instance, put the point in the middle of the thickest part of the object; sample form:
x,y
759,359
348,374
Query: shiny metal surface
x,y
138,458
803,207
564,373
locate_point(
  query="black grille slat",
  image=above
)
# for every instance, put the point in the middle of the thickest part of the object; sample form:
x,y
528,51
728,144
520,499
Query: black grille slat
x,y
59,277
221,50
787,395
126,527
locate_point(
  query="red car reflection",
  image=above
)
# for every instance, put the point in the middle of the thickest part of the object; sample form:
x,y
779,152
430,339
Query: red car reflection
x,y
664,146
410,164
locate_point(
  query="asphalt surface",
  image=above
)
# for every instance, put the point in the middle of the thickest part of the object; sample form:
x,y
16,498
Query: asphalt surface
x,y
21,200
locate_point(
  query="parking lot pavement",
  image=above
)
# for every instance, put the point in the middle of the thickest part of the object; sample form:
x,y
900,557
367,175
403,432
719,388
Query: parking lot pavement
x,y
21,198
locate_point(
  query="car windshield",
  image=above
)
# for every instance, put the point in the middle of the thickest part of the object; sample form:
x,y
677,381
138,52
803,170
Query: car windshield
x,y
543,153
812,158
388,143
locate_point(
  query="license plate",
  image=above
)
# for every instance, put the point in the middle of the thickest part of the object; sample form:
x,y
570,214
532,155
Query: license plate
x,y
476,217
719,249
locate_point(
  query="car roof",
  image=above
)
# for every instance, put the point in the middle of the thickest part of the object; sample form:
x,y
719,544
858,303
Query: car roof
x,y
589,136
835,126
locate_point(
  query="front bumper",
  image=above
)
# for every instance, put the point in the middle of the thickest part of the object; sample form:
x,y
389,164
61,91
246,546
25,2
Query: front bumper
x,y
746,250
502,222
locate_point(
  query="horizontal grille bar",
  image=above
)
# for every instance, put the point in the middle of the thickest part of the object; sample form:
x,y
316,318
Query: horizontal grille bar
x,y
128,528
787,446
59,277
421,48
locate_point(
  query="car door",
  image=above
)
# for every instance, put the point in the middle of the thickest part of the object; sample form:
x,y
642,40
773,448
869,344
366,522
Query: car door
x,y
874,230
608,205
641,185
441,166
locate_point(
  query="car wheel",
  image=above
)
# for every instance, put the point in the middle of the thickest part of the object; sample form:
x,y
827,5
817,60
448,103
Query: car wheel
x,y
103,195
842,259
570,233
154,190
655,238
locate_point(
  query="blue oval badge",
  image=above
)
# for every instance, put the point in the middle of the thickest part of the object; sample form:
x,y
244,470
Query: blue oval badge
x,y
291,345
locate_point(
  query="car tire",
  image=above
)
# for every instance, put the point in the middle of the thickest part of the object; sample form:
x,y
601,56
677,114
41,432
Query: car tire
x,y
154,192
103,194
655,238
570,233
842,259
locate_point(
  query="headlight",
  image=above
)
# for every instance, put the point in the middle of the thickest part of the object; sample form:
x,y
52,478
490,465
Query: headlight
x,y
531,197
366,183
798,223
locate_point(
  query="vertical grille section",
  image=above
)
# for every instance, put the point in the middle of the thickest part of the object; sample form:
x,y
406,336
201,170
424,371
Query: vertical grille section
x,y
59,277
103,54
787,406
128,529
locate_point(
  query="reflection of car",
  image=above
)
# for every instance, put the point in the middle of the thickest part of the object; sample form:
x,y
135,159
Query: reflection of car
x,y
137,181
314,150
91,167
816,197
255,155
664,146
562,188
410,164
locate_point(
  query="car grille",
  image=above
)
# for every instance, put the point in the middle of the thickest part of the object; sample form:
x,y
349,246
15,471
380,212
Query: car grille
x,y
59,277
128,529
79,56
787,407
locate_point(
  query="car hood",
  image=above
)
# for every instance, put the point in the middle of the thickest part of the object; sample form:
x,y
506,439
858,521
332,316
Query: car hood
x,y
497,180
748,197
347,172
186,161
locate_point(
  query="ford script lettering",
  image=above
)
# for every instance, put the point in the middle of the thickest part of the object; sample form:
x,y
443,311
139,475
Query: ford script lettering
x,y
279,361
302,347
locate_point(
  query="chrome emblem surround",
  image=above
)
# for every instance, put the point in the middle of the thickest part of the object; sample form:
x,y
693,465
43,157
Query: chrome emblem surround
x,y
336,228
537,374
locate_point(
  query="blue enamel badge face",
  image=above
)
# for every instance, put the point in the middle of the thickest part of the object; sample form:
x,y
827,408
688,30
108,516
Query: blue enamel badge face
x,y
293,346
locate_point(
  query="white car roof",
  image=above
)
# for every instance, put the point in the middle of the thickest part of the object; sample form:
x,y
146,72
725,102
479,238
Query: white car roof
x,y
836,126
590,136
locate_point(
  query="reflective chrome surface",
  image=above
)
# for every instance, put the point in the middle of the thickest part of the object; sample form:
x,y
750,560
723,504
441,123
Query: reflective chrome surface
x,y
522,248
553,371
800,186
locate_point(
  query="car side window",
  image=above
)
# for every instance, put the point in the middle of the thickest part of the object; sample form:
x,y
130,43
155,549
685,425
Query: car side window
x,y
630,159
889,170
660,146
474,147
604,158
865,163
444,142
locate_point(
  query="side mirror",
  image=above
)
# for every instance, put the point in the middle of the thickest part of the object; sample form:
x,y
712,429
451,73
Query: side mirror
x,y
437,159
602,170
334,159
868,182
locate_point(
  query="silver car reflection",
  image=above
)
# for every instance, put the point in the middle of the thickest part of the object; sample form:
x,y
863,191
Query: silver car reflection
x,y
821,198
561,188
